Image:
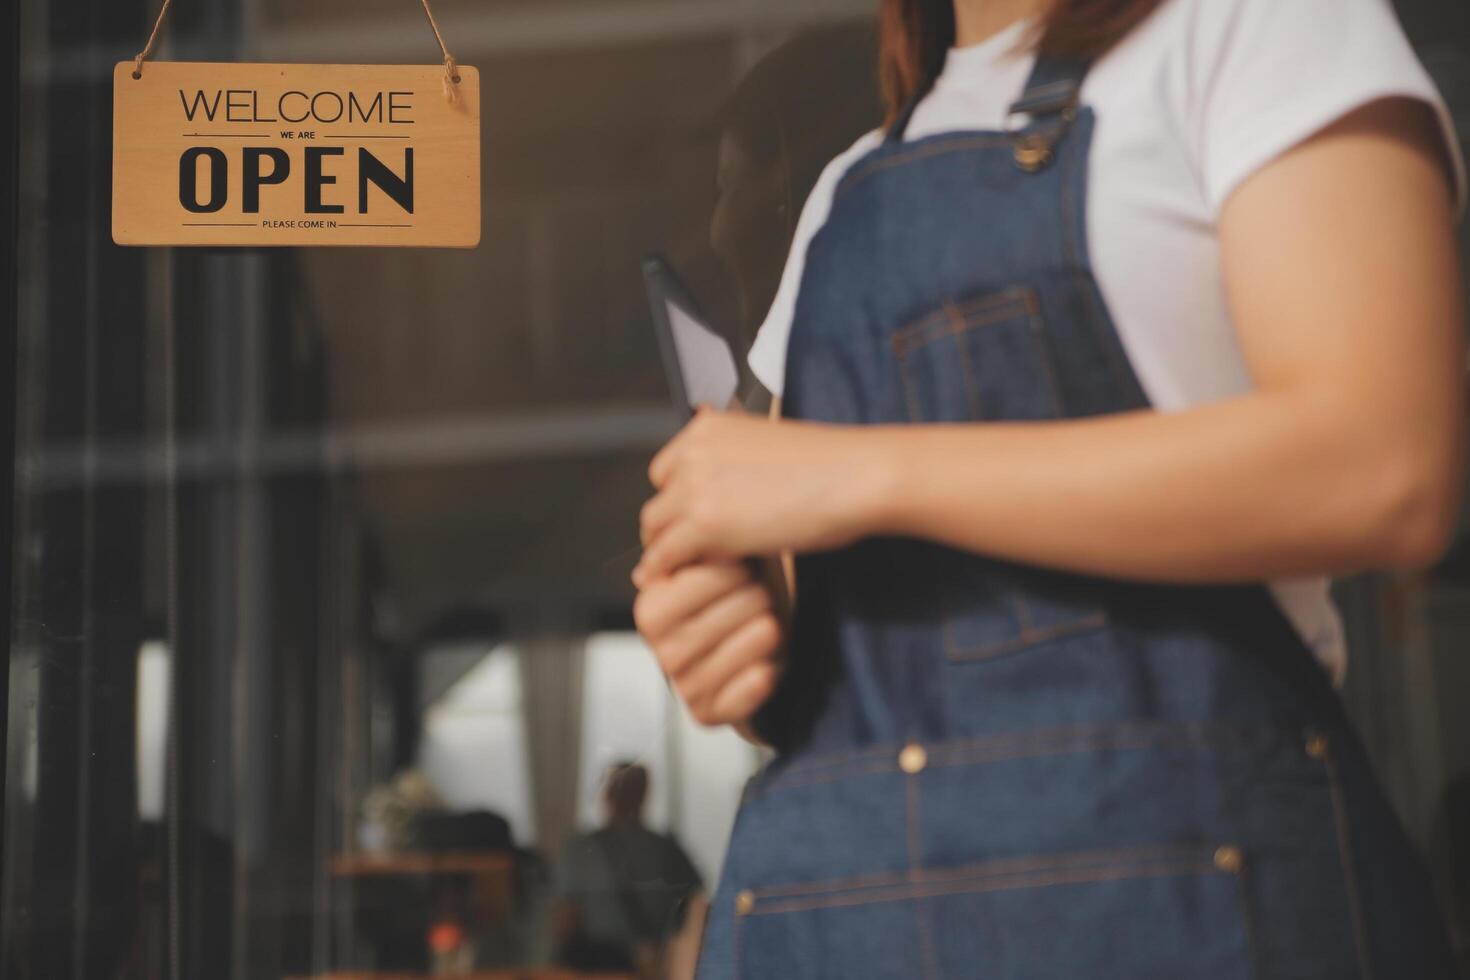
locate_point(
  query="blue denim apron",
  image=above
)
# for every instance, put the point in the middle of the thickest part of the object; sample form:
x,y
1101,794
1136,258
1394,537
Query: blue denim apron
x,y
987,769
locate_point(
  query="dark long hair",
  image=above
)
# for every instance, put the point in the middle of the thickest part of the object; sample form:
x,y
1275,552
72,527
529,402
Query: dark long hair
x,y
917,33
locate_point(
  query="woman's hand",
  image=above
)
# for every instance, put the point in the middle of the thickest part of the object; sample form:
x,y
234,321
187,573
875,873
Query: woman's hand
x,y
715,633
731,485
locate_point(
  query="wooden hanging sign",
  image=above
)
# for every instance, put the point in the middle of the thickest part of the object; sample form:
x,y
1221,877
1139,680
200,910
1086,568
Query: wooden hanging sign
x,y
267,154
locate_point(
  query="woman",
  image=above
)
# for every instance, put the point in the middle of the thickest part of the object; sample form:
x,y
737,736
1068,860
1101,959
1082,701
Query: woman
x,y
1093,367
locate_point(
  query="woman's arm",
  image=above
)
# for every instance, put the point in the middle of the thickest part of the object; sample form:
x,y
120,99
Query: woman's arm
x,y
1342,281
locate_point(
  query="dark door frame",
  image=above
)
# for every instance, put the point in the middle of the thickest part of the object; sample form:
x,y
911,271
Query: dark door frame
x,y
9,326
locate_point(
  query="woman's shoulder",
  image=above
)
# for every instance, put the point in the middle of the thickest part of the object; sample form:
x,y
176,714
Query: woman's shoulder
x,y
833,173
767,356
1241,81
1280,33
819,202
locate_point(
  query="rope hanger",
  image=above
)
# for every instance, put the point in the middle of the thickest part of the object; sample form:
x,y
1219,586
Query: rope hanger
x,y
451,68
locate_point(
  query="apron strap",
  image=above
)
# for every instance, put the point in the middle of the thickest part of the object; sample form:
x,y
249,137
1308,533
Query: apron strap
x,y
1051,100
1054,87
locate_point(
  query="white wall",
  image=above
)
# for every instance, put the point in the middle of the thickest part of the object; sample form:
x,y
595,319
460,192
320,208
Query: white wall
x,y
474,747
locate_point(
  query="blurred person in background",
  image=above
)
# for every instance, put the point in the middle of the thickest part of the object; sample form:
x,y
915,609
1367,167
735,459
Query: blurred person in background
x,y
623,889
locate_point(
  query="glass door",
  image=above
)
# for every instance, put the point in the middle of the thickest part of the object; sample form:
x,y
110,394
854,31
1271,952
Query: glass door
x,y
321,657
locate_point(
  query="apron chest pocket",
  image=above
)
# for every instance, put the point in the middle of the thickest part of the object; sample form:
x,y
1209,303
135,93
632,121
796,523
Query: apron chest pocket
x,y
985,358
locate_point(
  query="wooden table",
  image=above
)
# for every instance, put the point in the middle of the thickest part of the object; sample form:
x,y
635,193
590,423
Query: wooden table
x,y
482,898
448,863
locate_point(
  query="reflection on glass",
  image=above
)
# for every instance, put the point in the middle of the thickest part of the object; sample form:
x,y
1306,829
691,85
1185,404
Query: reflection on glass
x,y
623,890
152,719
798,107
473,745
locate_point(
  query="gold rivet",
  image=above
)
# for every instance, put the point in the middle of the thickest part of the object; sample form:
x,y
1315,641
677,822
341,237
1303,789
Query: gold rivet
x,y
744,902
1317,746
913,758
1032,155
1229,859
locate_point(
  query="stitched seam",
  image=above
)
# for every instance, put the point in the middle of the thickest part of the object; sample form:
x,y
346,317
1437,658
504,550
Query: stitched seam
x,y
926,942
967,367
1031,95
857,175
927,150
1024,295
1144,855
1125,387
953,320
1008,303
955,757
1248,918
967,756
938,890
1085,279
1049,86
921,921
881,758
830,759
911,819
1029,637
957,318
805,779
1350,878
1067,207
1043,105
1038,333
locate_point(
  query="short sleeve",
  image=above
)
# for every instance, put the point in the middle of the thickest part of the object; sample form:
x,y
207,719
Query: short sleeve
x,y
767,355
1269,74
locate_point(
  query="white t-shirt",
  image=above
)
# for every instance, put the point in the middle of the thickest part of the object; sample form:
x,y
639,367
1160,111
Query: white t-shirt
x,y
1197,98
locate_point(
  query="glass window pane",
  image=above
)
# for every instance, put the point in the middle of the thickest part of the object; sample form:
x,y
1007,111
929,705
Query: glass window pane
x,y
321,645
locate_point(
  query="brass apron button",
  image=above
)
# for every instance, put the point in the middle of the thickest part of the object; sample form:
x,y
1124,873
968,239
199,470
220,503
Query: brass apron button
x,y
913,758
1032,153
1229,859
744,902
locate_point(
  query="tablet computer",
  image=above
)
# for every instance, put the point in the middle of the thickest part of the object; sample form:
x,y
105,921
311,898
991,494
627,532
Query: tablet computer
x,y
698,362
702,370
